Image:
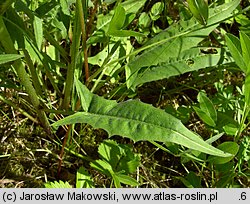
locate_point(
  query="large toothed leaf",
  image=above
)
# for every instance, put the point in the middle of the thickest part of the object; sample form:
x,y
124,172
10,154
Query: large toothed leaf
x,y
173,41
189,60
138,121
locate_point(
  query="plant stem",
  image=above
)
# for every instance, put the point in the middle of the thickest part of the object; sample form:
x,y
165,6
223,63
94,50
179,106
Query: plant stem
x,y
42,56
74,52
8,45
242,122
71,70
53,42
84,38
62,150
91,18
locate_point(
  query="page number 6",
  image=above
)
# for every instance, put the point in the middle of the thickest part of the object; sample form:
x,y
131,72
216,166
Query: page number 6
x,y
243,196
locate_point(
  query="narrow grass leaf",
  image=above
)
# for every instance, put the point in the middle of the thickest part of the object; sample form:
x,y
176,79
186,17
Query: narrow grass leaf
x,y
38,31
45,8
125,33
5,58
74,54
245,45
247,89
234,46
214,138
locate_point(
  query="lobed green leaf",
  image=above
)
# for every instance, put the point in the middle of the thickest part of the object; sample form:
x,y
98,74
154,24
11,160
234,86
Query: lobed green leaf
x,y
189,60
170,44
138,121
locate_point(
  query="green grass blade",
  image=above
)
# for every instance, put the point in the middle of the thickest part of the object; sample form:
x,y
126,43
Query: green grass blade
x,y
245,45
38,31
8,45
5,58
33,72
74,54
234,46
247,90
26,114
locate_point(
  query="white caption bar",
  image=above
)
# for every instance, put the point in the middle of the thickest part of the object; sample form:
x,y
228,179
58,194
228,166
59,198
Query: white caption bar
x,y
125,195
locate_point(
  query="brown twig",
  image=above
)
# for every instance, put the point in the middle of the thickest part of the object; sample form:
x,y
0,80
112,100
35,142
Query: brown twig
x,y
62,151
91,18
